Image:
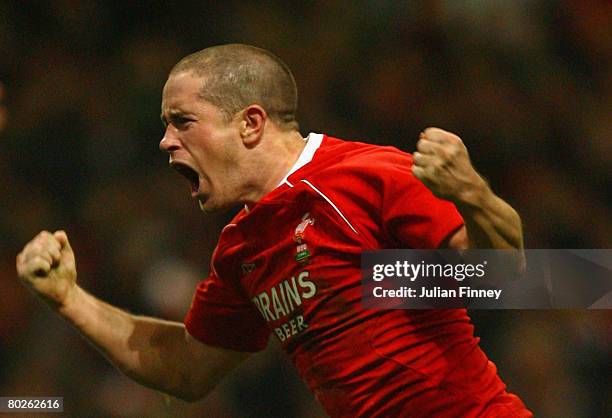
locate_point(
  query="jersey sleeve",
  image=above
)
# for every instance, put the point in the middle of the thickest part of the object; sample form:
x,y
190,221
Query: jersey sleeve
x,y
220,316
412,216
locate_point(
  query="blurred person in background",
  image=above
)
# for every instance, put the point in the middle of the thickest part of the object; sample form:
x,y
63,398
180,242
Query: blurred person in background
x,y
311,206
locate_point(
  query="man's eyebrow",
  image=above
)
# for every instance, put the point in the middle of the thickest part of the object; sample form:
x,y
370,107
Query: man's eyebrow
x,y
172,114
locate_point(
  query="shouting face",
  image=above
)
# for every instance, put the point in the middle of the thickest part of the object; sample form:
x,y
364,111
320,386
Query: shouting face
x,y
204,146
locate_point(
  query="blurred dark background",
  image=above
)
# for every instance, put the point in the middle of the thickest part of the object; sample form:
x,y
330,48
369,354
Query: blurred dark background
x,y
527,84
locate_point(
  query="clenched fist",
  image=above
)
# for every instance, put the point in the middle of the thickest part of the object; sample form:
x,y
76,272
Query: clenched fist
x,y
442,163
47,266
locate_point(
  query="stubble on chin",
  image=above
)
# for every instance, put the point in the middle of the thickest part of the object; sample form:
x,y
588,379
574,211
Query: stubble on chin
x,y
210,209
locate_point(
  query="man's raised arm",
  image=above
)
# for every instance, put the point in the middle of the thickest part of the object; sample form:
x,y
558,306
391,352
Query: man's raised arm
x,y
156,353
442,163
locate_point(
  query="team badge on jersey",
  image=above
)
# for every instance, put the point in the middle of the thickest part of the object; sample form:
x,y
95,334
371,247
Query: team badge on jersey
x,y
302,255
300,230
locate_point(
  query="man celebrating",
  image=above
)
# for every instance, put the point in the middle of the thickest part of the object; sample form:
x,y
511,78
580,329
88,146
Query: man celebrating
x,y
289,262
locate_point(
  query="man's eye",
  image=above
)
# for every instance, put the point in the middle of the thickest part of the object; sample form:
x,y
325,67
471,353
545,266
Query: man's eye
x,y
181,122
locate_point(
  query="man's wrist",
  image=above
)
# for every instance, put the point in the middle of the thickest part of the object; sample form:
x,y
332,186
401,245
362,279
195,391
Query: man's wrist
x,y
70,302
475,196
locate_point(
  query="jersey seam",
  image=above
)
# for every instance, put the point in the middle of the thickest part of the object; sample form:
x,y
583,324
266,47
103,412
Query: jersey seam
x,y
332,204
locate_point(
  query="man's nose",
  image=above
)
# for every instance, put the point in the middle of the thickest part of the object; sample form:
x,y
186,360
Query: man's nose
x,y
169,142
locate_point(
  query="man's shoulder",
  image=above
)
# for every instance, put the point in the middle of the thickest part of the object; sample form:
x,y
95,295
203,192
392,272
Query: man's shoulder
x,y
352,171
337,154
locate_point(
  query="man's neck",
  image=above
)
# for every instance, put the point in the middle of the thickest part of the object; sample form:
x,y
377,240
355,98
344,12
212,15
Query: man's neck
x,y
280,154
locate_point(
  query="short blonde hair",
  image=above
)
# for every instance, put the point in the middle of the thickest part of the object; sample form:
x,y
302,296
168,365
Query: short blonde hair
x,y
235,76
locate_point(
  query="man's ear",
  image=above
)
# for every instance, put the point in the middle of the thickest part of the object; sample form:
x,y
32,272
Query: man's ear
x,y
254,118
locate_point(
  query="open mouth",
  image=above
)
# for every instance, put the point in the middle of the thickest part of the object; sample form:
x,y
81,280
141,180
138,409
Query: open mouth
x,y
189,173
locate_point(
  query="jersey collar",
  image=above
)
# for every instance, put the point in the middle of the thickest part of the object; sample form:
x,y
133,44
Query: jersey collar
x,y
313,142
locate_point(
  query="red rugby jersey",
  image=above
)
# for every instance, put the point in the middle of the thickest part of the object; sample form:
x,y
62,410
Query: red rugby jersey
x,y
290,266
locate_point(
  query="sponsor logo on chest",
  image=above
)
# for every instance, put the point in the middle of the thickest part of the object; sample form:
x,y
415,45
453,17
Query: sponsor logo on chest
x,y
282,300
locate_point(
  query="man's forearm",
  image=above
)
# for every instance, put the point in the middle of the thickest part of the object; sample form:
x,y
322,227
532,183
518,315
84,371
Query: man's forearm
x,y
145,349
156,353
490,222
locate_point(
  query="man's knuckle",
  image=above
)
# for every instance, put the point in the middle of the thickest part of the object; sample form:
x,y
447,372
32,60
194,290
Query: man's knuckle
x,y
26,254
431,131
440,158
41,257
37,248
